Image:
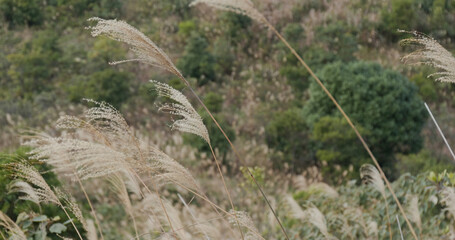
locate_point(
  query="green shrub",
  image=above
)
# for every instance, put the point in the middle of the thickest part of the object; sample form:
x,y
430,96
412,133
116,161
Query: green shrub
x,y
337,147
288,132
214,102
382,101
186,28
22,12
401,15
34,67
427,88
224,56
422,161
108,85
197,61
339,39
235,25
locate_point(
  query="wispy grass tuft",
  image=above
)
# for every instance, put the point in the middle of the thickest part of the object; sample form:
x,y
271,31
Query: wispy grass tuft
x,y
431,53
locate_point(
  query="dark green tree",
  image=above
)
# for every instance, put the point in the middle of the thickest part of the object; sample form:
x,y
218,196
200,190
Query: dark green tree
x,y
338,149
402,14
383,102
108,85
217,139
288,132
34,67
197,61
22,12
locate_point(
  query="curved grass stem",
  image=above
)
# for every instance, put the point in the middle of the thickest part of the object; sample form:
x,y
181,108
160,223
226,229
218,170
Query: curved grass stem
x,y
359,136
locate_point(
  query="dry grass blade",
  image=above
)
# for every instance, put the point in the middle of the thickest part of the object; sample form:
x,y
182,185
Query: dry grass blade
x,y
144,48
13,229
191,121
433,54
244,7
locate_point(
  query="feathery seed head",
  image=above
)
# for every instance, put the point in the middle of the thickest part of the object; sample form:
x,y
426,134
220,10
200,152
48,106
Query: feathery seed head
x,y
433,54
412,210
41,192
144,48
244,220
72,205
370,175
315,217
448,199
24,187
191,121
244,7
167,170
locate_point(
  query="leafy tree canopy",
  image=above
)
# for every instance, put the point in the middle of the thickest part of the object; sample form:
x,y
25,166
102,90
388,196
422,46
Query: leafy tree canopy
x,y
383,102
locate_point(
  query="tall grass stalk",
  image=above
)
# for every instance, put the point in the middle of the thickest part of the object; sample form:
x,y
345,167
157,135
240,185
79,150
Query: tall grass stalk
x,y
359,136
440,131
246,7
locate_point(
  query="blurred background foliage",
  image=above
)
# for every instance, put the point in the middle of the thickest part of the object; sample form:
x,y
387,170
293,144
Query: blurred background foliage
x,y
256,89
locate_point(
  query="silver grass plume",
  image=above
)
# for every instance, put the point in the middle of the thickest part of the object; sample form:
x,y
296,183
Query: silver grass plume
x,y
118,186
104,123
311,214
167,170
202,228
191,121
72,206
370,175
433,54
294,208
151,205
412,210
373,229
41,191
448,199
144,48
244,220
24,187
244,7
90,160
315,217
11,227
91,230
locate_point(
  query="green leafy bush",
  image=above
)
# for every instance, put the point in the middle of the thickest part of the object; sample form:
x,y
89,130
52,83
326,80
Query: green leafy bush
x,y
382,101
34,67
214,102
288,132
22,12
197,61
109,85
337,147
